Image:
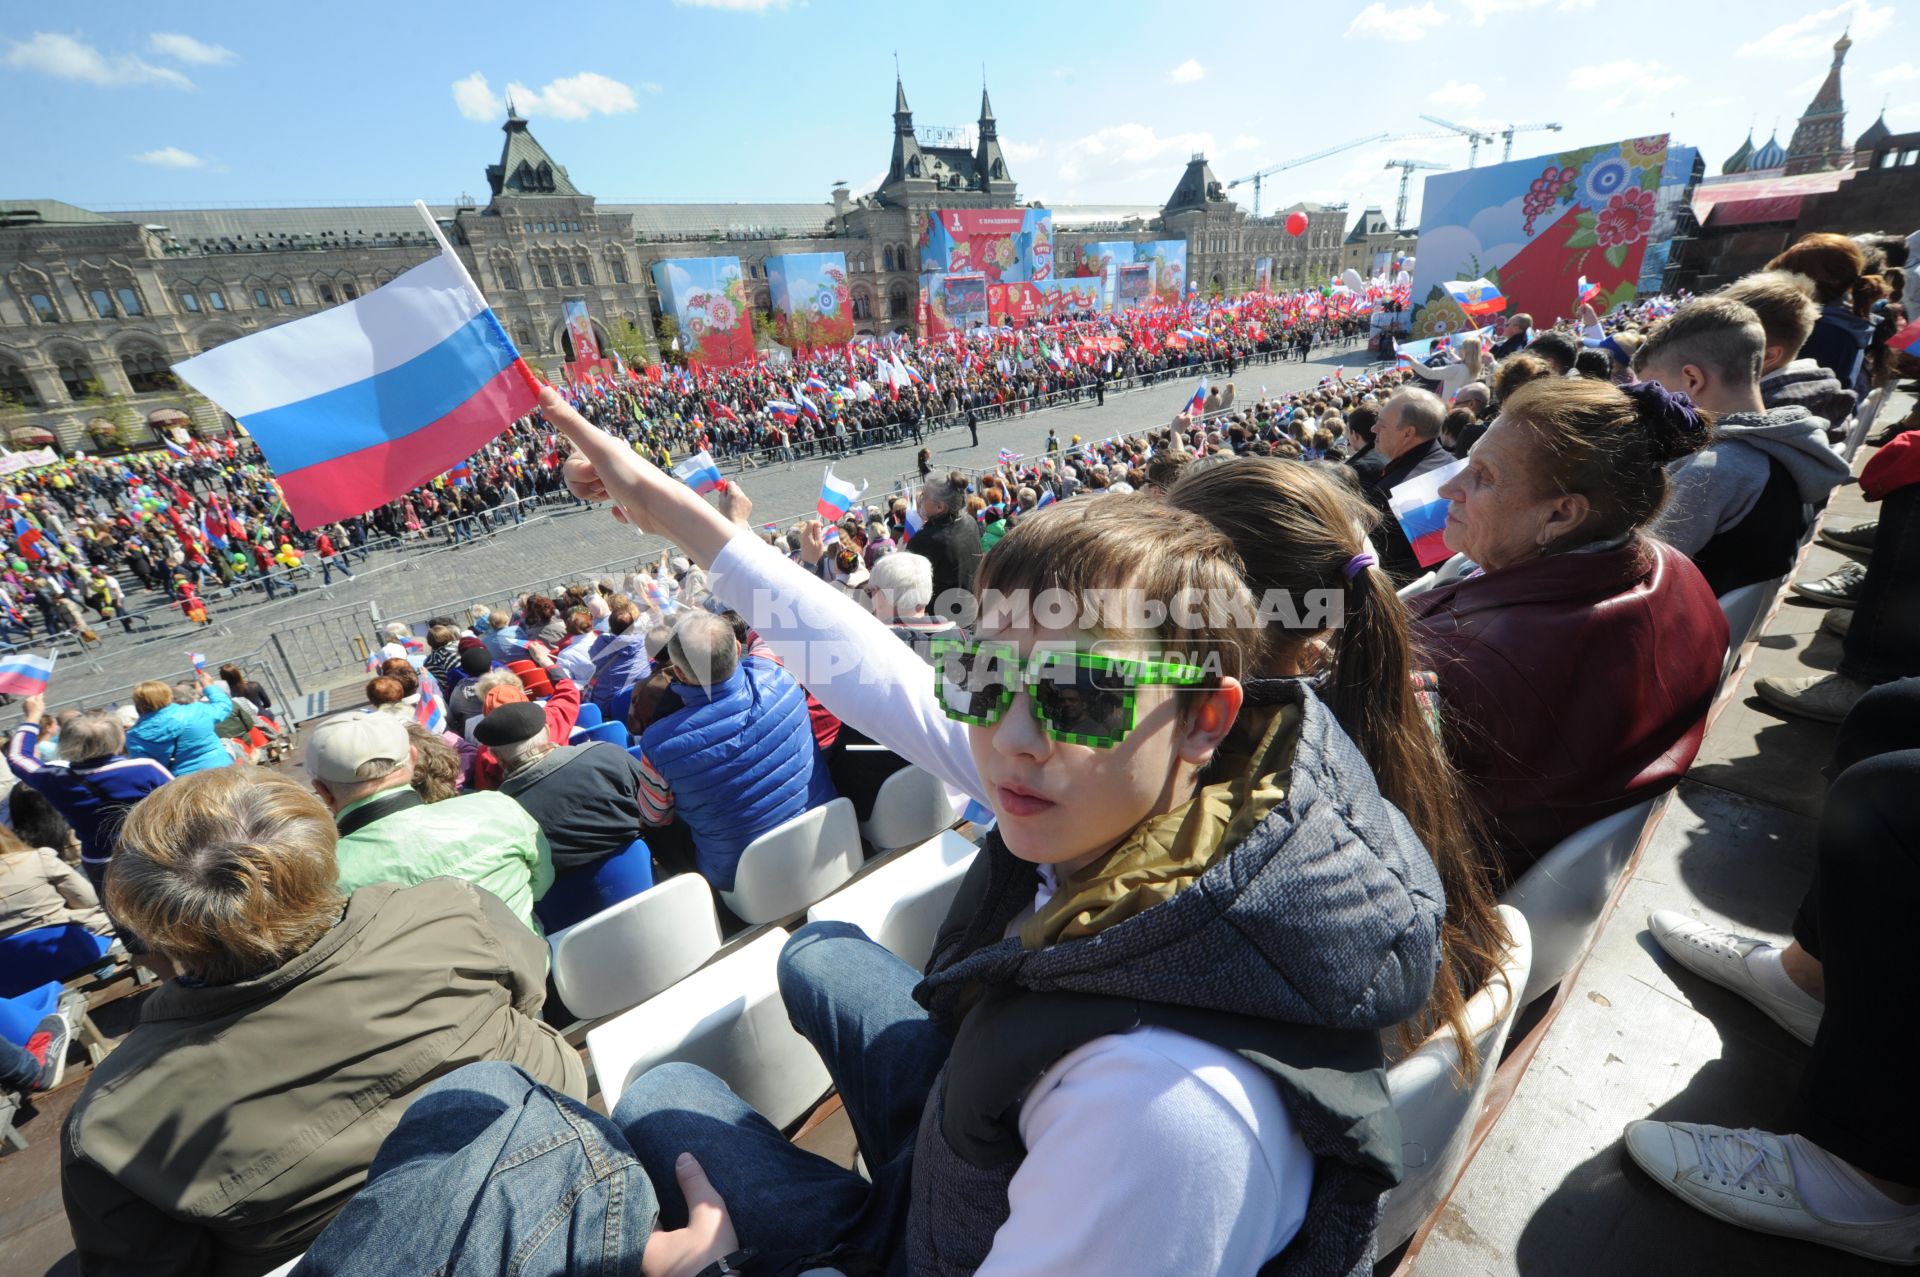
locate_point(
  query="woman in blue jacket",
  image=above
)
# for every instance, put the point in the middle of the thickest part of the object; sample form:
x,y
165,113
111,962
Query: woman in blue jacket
x,y
180,737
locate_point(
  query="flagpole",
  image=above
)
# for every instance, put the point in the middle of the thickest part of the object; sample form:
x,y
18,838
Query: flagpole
x,y
433,225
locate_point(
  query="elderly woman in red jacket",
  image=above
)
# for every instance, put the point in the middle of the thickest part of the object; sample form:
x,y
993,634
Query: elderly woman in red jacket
x,y
1577,665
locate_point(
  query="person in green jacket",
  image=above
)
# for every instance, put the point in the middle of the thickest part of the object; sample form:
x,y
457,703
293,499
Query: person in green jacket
x,y
361,765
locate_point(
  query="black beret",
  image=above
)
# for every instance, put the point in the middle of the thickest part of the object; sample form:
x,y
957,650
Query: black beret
x,y
511,724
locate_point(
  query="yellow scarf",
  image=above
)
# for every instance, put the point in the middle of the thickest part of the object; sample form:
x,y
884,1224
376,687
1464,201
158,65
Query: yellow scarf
x,y
1167,853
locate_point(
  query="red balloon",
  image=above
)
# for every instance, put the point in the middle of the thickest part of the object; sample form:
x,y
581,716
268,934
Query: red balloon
x,y
1296,223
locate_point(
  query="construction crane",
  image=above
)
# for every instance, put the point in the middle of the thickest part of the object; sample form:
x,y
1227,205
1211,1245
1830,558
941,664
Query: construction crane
x,y
1474,136
1270,170
1511,129
1406,168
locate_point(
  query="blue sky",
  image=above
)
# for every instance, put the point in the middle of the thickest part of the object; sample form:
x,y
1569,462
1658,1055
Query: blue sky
x,y
187,105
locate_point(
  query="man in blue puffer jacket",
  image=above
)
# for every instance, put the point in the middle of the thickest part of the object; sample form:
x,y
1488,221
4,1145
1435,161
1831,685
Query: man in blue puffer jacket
x,y
739,757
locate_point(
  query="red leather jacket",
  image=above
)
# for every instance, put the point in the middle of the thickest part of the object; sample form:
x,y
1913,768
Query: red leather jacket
x,y
1572,686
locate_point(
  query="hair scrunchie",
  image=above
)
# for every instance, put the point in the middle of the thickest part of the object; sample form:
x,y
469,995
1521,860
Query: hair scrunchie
x,y
1672,426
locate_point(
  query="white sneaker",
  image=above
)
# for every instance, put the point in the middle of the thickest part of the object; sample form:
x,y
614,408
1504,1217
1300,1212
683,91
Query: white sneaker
x,y
1746,1178
1721,956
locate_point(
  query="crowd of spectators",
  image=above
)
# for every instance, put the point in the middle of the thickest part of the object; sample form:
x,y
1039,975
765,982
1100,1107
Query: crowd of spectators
x,y
1242,854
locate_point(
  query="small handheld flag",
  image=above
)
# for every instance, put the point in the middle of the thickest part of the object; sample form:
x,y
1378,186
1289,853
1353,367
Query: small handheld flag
x,y
699,473
176,449
1422,512
1476,297
1907,340
26,674
837,496
199,660
361,402
1588,291
1198,404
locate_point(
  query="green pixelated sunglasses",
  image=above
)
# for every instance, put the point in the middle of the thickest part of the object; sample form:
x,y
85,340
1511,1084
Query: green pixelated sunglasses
x,y
1078,697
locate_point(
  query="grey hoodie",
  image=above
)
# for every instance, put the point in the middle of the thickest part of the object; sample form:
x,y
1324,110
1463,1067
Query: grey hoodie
x,y
1717,487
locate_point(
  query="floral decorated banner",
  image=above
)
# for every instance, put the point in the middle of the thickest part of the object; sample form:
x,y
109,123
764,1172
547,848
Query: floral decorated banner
x,y
707,299
952,303
1168,276
1008,246
1534,227
811,304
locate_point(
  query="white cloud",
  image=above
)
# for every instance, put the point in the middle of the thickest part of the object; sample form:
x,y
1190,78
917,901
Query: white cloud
x,y
738,6
170,157
575,97
1127,159
572,97
1377,22
476,100
184,48
1244,142
1898,73
67,57
1021,151
1636,81
1814,34
1188,72
1454,93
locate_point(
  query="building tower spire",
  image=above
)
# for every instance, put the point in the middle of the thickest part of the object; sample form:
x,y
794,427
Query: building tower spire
x,y
907,163
989,161
1819,139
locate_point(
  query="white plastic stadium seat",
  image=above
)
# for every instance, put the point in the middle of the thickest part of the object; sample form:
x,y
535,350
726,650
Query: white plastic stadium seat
x,y
1564,892
794,864
1863,416
902,903
727,1018
1436,1114
1453,569
911,807
624,955
1744,609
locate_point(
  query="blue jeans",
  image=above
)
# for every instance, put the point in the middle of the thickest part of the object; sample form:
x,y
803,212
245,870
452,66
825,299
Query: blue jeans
x,y
853,1001
490,1174
327,565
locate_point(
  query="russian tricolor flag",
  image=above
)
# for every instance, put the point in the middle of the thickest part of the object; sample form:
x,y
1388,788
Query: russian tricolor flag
x,y
1198,404
28,538
783,412
699,473
1907,340
25,674
837,497
1588,291
1422,513
176,449
361,402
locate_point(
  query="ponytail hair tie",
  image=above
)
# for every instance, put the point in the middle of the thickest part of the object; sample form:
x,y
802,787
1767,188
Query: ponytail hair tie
x,y
1358,564
1672,423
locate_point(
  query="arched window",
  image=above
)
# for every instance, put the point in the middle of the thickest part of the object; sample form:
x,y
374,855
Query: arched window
x,y
586,273
326,294
862,304
546,275
189,303
899,302
349,290
102,302
886,259
260,299
43,308
619,267
146,370
14,386
285,295
509,279
129,300
75,374
566,274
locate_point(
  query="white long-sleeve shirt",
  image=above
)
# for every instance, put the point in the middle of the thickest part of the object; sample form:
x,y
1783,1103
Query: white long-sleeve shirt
x,y
1148,1152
